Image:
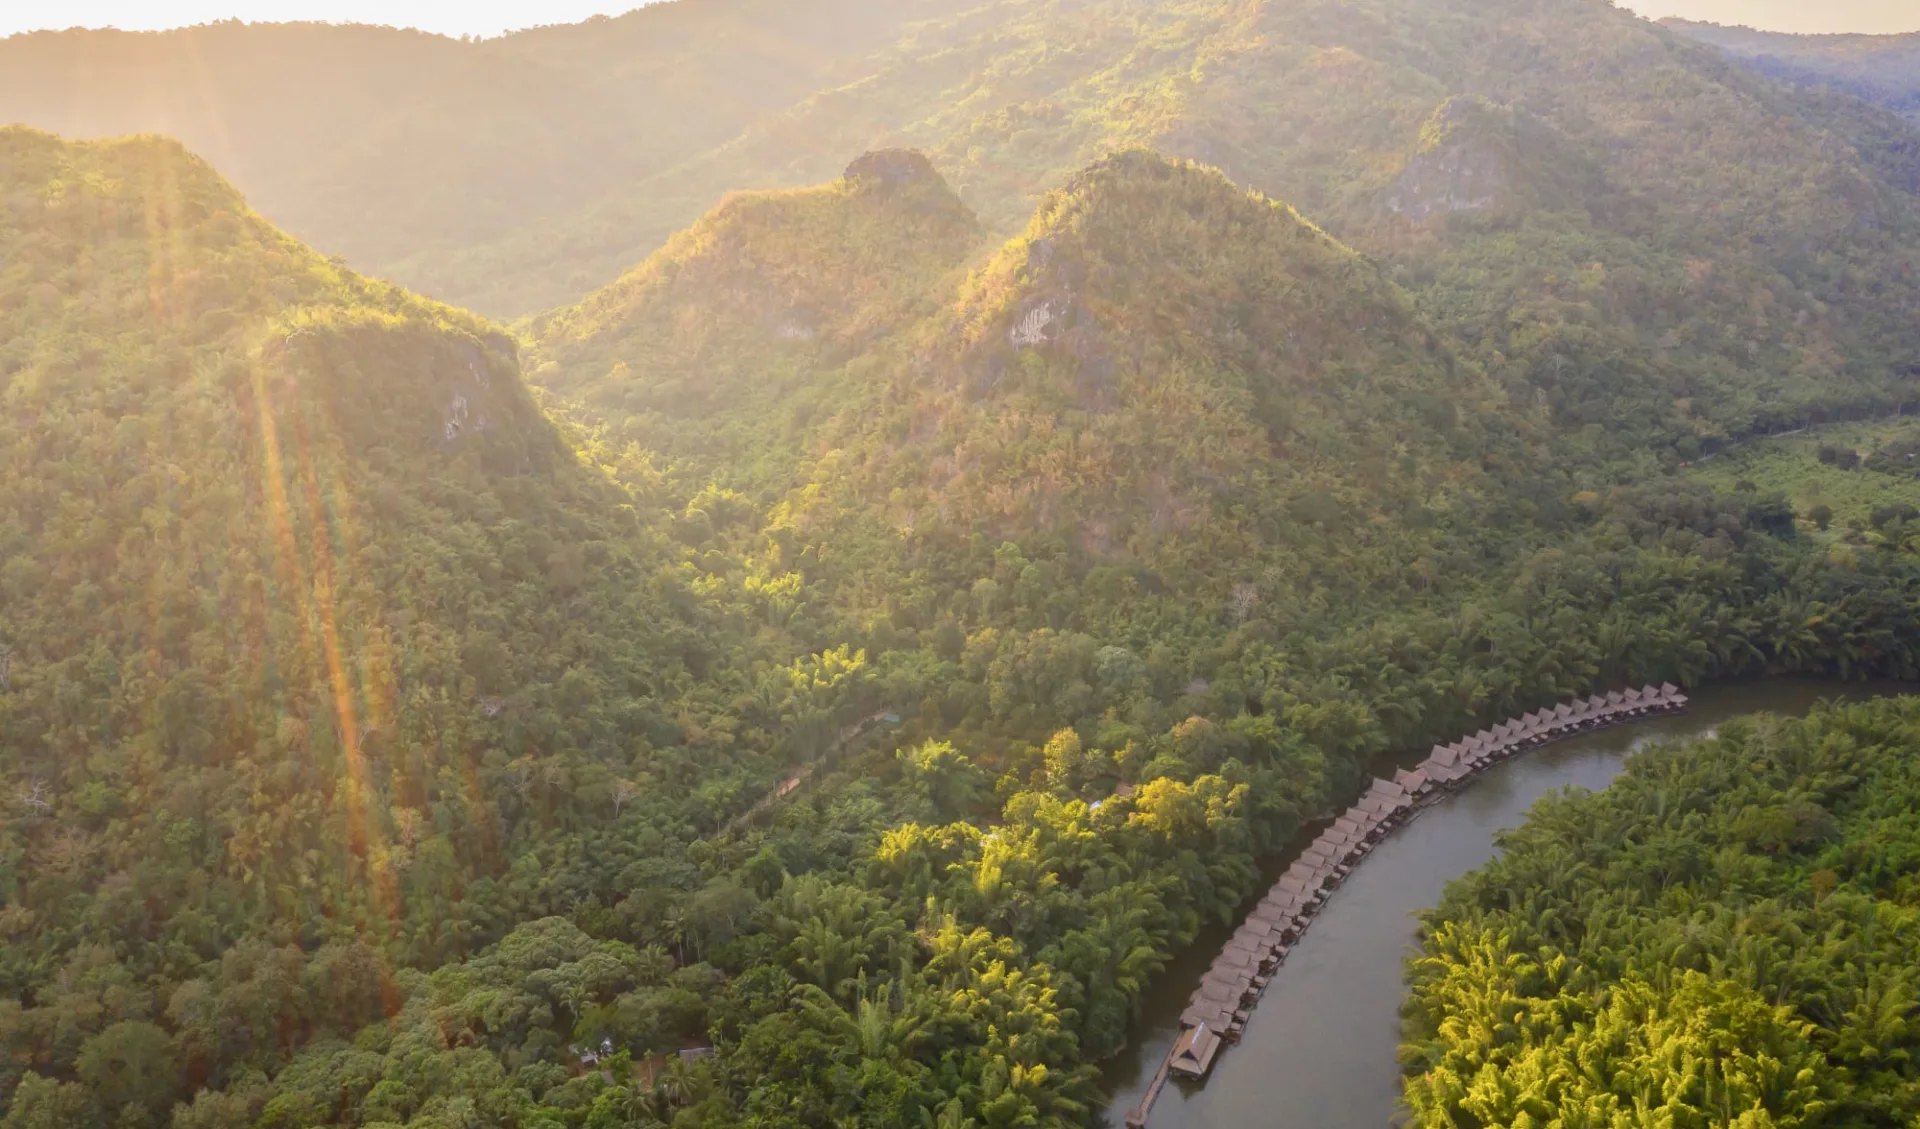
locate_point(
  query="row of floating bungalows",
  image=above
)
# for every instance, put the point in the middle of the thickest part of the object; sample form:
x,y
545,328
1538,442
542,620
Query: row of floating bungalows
x,y
1218,1010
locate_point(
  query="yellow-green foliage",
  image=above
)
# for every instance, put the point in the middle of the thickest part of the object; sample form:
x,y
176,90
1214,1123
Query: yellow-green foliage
x,y
1725,937
707,350
1852,483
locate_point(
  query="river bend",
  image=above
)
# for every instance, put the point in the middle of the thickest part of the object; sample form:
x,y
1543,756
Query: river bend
x,y
1319,1051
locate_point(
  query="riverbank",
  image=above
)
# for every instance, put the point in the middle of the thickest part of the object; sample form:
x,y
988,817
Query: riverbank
x,y
1319,1053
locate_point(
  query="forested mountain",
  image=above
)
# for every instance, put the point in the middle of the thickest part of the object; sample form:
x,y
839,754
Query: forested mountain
x,y
1883,69
1726,936
1163,376
315,636
914,596
1502,157
1581,196
714,353
369,753
1167,376
402,150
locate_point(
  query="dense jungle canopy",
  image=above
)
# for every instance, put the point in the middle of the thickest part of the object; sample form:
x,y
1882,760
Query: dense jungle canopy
x,y
817,667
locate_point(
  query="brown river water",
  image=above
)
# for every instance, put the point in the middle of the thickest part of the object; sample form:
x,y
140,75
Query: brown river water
x,y
1319,1050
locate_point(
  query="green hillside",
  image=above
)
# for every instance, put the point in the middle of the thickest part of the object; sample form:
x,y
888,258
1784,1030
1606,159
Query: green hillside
x,y
714,353
1167,374
1724,937
1659,247
1575,192
318,646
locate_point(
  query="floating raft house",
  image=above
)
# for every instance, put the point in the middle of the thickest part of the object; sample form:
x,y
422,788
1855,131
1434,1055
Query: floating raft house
x,y
1219,1007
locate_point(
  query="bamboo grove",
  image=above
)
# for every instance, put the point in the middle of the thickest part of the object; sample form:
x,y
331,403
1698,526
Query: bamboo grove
x,y
1724,937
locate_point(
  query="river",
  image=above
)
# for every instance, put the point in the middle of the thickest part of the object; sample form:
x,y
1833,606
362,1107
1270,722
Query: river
x,y
1319,1052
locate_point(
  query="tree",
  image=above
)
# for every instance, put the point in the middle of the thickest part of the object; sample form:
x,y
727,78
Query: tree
x,y
131,1065
623,792
43,1103
947,781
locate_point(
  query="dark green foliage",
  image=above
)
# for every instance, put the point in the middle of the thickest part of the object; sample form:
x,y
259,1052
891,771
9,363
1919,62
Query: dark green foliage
x,y
1726,936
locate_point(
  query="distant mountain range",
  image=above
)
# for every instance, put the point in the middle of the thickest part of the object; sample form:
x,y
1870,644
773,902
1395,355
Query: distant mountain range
x,y
1883,69
1500,159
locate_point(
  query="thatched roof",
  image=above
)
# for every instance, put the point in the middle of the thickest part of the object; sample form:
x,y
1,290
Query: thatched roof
x,y
1256,948
1193,1051
1334,844
1210,1014
1228,977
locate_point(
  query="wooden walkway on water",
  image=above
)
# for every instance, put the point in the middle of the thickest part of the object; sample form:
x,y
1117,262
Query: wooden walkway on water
x,y
1219,1008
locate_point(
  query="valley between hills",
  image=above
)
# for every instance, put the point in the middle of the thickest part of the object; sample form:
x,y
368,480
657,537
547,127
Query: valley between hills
x,y
780,564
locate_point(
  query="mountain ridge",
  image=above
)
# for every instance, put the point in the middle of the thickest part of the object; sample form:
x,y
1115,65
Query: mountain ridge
x,y
1882,69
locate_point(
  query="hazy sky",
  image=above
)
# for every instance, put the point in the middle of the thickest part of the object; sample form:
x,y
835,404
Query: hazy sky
x,y
1814,16
449,17
490,17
